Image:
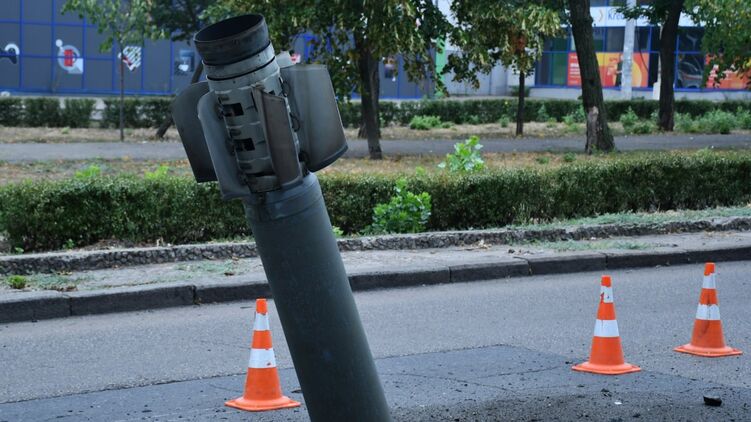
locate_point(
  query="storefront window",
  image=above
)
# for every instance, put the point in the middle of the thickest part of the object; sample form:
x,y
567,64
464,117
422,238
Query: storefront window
x,y
690,71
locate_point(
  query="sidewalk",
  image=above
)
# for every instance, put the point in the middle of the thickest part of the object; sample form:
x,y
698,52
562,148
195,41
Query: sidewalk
x,y
207,281
24,152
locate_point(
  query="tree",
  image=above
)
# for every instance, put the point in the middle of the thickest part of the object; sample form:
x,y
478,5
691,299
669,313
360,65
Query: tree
x,y
124,22
352,37
510,32
727,38
666,14
599,137
179,20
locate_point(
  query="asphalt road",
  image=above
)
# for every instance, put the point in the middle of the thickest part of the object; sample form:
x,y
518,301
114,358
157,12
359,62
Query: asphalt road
x,y
497,350
173,151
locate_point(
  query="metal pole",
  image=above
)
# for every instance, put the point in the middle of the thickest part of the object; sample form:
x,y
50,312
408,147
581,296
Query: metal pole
x,y
628,55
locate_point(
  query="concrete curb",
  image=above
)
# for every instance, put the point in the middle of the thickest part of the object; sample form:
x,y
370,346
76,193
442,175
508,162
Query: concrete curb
x,y
92,260
32,306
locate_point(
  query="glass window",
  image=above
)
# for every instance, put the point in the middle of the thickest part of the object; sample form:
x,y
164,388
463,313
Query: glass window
x,y
654,67
641,39
599,36
689,39
690,71
551,69
614,39
655,39
555,44
596,3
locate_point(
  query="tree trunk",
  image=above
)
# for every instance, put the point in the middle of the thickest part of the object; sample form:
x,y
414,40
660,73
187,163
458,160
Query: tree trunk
x,y
520,107
369,93
122,95
668,38
168,120
599,137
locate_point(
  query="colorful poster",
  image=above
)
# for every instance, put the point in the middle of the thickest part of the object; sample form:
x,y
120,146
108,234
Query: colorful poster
x,y
732,80
185,62
574,77
69,58
10,52
610,70
131,55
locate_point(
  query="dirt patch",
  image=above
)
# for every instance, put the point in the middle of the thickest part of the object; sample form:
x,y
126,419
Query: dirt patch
x,y
51,135
66,135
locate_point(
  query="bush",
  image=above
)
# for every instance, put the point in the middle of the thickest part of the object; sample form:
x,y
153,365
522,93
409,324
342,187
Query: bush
x,y
92,170
139,112
427,122
42,112
131,112
628,120
504,121
465,158
77,112
685,123
717,121
542,114
11,112
154,110
178,210
644,127
405,212
17,282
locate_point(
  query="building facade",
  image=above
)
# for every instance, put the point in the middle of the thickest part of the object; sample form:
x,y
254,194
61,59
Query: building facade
x,y
557,72
45,52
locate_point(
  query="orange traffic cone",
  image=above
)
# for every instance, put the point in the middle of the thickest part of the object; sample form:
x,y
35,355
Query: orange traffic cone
x,y
707,339
607,356
262,389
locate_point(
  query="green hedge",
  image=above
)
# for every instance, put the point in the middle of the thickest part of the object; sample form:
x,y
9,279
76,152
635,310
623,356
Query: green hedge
x,y
139,112
491,110
46,112
11,111
44,215
151,111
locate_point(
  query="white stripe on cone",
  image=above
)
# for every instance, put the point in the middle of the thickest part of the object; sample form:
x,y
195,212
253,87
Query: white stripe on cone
x,y
708,312
262,358
607,294
709,282
606,328
261,322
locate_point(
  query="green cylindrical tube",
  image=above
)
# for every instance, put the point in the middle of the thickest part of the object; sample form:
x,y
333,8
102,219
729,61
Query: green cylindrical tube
x,y
315,304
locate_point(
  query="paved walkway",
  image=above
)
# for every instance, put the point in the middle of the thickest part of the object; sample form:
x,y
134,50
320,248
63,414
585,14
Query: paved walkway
x,y
384,264
358,148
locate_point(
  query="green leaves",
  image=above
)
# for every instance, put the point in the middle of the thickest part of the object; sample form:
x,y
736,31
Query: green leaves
x,y
123,22
383,28
491,31
466,157
406,212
